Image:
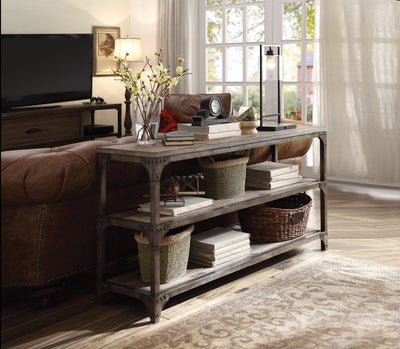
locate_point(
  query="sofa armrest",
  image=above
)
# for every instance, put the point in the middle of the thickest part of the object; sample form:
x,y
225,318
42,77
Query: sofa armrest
x,y
44,175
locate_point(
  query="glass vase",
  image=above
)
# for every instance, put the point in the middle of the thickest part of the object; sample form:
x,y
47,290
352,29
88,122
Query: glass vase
x,y
146,124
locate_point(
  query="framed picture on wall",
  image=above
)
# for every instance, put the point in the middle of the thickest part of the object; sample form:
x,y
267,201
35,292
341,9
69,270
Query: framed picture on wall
x,y
104,50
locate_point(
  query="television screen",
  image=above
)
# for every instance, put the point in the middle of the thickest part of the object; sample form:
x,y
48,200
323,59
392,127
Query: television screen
x,y
45,68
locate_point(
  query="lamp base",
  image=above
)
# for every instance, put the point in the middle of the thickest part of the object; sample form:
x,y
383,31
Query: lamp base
x,y
274,126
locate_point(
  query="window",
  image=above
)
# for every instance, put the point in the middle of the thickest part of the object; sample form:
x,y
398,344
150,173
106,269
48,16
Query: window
x,y
230,36
297,40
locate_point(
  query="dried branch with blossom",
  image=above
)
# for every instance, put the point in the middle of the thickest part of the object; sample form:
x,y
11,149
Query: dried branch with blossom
x,y
148,94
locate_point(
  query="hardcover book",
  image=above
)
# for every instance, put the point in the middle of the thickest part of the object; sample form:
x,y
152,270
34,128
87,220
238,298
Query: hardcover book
x,y
210,263
220,256
218,237
269,169
262,183
177,142
207,129
205,136
199,250
246,114
281,177
172,208
182,136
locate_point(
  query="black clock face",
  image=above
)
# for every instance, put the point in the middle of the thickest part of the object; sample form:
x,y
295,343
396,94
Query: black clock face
x,y
216,106
211,106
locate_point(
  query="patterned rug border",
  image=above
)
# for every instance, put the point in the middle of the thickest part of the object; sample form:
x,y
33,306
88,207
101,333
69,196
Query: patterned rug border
x,y
355,320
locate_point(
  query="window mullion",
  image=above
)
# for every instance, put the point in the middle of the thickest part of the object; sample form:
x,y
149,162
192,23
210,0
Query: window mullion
x,y
303,61
244,56
224,67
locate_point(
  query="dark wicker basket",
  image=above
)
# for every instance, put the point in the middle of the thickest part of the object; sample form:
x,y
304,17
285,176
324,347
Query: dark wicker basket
x,y
278,220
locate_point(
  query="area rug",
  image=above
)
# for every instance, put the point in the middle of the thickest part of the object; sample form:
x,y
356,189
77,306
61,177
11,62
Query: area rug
x,y
333,302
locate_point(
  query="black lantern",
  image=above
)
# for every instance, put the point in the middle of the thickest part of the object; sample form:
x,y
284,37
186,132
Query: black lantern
x,y
271,56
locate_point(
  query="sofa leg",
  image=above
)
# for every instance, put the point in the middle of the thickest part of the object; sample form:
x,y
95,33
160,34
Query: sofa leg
x,y
46,301
46,295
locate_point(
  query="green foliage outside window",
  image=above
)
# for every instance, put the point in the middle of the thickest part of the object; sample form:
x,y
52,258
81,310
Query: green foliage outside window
x,y
292,105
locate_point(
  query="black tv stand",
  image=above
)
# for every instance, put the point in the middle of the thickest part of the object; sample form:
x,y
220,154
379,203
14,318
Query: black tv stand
x,y
49,127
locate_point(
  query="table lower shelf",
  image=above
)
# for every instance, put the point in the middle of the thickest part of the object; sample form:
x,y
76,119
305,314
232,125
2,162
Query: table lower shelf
x,y
131,285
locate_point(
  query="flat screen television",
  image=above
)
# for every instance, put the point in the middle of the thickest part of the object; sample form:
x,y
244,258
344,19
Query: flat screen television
x,y
45,68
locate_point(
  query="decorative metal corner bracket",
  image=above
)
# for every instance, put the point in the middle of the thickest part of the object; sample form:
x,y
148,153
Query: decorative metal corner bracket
x,y
155,167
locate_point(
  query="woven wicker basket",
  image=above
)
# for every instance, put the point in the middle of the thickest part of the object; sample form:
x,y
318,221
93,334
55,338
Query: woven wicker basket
x,y
224,178
174,255
278,220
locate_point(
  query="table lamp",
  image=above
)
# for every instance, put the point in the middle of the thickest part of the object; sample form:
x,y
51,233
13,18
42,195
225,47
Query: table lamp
x,y
132,49
273,69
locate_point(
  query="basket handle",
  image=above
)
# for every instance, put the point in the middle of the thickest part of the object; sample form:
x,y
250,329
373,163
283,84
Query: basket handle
x,y
297,217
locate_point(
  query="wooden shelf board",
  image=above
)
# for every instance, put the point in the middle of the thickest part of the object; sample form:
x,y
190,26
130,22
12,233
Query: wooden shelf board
x,y
135,220
130,283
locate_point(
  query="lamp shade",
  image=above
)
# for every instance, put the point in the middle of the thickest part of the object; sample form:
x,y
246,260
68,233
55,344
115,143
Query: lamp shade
x,y
132,47
271,59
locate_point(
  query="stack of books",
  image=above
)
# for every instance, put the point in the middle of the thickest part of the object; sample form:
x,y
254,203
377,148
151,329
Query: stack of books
x,y
178,138
270,175
218,246
217,131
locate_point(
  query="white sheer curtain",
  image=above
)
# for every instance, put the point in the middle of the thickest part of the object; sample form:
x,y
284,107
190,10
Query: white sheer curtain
x,y
359,89
177,36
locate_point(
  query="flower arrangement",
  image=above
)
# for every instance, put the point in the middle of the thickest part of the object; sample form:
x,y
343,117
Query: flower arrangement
x,y
148,95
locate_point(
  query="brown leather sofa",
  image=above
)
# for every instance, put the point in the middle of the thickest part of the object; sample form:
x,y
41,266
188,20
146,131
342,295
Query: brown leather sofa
x,y
49,202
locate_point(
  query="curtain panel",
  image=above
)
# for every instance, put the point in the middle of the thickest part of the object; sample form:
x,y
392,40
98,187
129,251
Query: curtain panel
x,y
175,37
358,89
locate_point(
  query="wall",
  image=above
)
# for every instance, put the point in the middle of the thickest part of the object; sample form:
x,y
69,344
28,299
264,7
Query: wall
x,y
136,18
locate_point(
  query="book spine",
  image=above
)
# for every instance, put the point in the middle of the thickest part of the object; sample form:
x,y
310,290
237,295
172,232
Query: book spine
x,y
217,135
233,126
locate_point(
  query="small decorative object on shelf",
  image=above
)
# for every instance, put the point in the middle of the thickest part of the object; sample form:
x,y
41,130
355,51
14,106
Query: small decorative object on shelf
x,y
169,191
147,95
211,112
248,123
246,114
191,185
97,100
178,207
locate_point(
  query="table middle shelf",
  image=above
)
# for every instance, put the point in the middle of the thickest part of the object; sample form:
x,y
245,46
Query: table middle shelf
x,y
133,219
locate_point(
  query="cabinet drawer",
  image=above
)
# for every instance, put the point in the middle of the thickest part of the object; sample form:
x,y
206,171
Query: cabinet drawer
x,y
40,129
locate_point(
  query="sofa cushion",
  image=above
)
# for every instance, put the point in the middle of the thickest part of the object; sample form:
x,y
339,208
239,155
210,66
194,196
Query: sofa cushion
x,y
48,174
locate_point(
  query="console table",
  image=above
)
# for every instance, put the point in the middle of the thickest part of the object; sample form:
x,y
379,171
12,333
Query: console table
x,y
42,127
154,158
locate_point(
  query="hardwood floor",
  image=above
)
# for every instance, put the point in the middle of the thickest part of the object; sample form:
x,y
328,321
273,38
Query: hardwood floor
x,y
363,223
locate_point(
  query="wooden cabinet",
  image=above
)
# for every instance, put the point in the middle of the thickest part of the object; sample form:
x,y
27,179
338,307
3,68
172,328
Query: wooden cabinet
x,y
52,126
154,158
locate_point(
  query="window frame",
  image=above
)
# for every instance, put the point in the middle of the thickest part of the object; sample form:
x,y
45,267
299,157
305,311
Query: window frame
x,y
273,13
